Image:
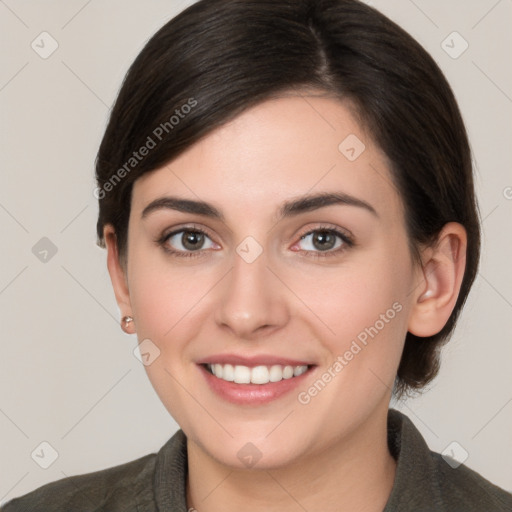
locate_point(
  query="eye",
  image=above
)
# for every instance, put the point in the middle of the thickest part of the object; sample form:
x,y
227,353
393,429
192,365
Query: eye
x,y
323,240
187,241
192,242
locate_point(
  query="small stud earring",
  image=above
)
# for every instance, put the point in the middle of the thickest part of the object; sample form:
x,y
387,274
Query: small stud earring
x,y
126,321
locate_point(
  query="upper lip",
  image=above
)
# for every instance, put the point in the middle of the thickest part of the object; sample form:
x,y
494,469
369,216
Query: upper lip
x,y
251,361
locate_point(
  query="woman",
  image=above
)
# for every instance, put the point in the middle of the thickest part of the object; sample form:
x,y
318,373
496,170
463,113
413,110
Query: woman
x,y
287,203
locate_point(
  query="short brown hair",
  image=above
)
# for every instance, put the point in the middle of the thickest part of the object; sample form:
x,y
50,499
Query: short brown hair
x,y
224,56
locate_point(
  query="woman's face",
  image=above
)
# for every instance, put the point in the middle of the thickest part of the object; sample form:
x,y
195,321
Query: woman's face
x,y
251,269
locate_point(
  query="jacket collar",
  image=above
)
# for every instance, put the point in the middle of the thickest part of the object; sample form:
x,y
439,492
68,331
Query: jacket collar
x,y
415,487
170,477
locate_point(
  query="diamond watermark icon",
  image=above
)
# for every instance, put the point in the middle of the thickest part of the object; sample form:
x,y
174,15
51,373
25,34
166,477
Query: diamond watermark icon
x,y
146,352
44,250
249,249
351,147
44,455
249,455
454,454
44,45
454,45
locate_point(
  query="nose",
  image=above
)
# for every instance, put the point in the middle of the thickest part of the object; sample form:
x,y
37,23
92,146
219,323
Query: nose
x,y
253,301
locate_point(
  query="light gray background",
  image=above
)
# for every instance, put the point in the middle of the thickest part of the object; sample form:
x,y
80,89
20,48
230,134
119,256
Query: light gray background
x,y
68,373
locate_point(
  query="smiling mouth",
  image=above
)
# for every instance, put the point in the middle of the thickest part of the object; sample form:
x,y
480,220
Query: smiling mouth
x,y
240,374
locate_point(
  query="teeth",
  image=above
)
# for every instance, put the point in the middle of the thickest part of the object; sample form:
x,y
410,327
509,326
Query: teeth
x,y
259,375
242,375
256,375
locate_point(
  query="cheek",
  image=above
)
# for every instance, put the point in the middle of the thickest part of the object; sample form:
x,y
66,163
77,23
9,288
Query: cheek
x,y
350,299
164,296
167,303
363,327
361,313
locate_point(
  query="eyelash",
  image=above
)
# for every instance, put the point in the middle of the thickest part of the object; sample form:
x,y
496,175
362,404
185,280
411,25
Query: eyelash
x,y
347,240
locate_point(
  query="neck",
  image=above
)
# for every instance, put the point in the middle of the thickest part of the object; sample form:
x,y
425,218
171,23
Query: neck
x,y
354,473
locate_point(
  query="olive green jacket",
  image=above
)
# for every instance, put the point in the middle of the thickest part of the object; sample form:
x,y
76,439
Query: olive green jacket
x,y
424,482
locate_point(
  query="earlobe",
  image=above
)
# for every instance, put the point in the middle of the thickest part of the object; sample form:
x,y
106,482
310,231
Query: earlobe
x,y
118,278
441,278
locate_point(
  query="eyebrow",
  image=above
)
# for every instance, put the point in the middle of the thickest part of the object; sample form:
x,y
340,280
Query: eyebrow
x,y
288,209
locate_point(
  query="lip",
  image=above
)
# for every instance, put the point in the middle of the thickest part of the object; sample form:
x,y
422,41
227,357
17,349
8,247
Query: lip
x,y
252,394
252,361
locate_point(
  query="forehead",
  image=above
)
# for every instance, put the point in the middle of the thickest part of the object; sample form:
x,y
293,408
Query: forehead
x,y
281,148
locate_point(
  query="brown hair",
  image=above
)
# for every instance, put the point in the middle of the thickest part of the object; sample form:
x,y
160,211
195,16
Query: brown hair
x,y
220,57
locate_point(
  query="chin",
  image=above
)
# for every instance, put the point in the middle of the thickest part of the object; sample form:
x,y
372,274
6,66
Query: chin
x,y
253,449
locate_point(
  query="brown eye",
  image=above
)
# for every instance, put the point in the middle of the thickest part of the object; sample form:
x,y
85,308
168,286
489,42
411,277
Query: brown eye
x,y
322,240
192,240
187,240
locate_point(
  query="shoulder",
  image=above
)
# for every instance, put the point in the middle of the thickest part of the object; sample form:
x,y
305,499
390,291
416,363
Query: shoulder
x,y
425,481
116,489
464,489
154,482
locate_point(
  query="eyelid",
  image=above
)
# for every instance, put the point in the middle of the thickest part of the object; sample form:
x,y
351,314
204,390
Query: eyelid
x,y
347,242
344,233
185,227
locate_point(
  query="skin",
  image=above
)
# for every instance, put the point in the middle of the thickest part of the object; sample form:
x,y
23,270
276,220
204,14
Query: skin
x,y
331,453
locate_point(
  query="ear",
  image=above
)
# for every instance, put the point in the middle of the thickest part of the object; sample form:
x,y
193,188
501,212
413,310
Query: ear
x,y
118,277
442,271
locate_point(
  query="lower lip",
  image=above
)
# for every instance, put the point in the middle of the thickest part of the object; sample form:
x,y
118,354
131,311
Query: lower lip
x,y
252,394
